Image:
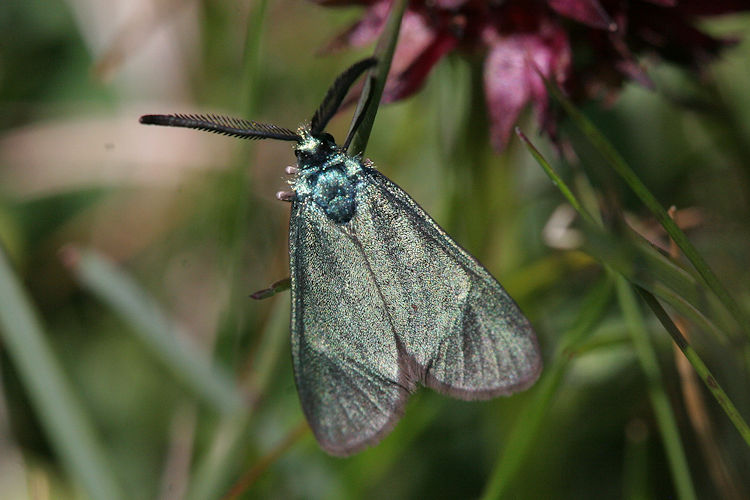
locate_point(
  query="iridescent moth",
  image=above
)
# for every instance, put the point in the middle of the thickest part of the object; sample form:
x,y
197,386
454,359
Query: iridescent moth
x,y
382,298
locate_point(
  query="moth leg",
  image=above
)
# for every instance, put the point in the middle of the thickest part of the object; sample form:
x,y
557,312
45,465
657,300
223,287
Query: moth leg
x,y
276,287
286,196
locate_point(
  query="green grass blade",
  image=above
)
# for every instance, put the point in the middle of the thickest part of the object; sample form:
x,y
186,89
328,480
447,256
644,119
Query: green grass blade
x,y
558,182
264,463
231,327
635,479
373,89
628,258
521,438
273,343
158,332
647,268
215,468
700,367
218,464
638,263
252,56
618,164
54,402
665,419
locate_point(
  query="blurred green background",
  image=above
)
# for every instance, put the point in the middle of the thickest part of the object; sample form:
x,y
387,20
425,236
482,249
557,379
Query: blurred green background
x,y
189,227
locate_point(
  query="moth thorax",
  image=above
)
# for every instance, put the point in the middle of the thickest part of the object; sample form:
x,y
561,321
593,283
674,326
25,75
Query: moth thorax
x,y
326,176
331,189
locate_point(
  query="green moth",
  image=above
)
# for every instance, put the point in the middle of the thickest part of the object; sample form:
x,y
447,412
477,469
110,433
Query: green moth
x,y
382,298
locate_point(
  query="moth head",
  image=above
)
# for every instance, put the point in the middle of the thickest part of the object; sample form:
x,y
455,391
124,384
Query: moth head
x,y
314,150
313,144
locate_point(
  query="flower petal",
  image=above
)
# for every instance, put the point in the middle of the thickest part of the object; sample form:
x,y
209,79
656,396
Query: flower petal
x,y
683,43
411,79
450,4
416,35
588,12
664,3
343,3
419,47
362,32
506,86
628,65
511,77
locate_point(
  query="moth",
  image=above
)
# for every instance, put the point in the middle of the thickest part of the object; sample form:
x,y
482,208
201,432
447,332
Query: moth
x,y
382,298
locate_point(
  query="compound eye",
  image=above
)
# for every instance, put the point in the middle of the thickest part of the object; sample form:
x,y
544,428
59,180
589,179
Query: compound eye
x,y
328,140
303,155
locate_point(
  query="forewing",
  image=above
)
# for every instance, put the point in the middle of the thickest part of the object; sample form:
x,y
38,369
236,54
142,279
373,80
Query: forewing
x,y
463,333
346,362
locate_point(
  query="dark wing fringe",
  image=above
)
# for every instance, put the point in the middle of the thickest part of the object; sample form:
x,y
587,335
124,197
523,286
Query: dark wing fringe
x,y
336,94
225,125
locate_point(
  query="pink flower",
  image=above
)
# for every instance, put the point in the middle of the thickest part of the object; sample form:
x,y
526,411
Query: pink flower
x,y
586,46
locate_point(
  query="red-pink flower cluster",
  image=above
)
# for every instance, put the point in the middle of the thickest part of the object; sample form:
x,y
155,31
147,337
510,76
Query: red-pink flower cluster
x,y
586,46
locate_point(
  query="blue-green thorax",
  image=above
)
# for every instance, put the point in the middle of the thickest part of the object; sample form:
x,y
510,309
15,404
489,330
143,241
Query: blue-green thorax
x,y
327,176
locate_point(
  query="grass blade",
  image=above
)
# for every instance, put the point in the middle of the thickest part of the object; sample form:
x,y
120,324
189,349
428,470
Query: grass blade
x,y
618,164
670,435
252,56
154,328
231,327
558,182
521,438
700,368
645,267
638,263
252,475
646,287
59,413
216,467
373,89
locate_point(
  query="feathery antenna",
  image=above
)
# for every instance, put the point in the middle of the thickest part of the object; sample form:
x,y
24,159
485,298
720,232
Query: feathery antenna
x,y
233,127
336,93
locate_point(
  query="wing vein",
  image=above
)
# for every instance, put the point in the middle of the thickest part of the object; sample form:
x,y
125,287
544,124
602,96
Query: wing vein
x,y
391,323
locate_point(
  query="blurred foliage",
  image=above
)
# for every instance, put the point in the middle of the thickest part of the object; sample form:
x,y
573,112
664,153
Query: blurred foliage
x,y
191,222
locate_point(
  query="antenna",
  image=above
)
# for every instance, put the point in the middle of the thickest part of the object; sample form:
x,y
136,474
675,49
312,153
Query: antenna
x,y
336,93
233,127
